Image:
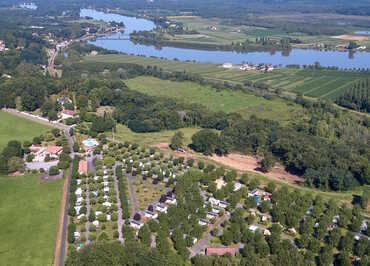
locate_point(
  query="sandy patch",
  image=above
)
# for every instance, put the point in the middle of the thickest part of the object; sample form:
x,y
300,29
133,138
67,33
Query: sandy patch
x,y
352,37
250,163
237,161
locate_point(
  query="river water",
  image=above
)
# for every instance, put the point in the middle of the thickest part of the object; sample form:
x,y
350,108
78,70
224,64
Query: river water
x,y
120,42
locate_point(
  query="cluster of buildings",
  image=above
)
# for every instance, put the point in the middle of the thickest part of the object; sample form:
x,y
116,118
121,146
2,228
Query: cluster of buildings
x,y
153,210
260,195
49,152
259,67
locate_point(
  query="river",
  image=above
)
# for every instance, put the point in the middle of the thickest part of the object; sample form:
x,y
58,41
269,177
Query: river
x,y
120,42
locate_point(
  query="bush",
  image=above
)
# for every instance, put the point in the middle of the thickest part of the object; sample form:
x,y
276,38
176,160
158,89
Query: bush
x,y
71,230
53,171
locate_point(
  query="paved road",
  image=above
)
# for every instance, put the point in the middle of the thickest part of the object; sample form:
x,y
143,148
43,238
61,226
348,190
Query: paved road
x,y
37,119
88,211
201,245
120,220
65,218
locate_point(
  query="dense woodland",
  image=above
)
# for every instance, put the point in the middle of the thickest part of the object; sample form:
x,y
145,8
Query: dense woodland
x,y
357,97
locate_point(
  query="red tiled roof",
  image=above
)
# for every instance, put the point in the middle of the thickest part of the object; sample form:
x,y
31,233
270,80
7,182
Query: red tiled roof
x,y
220,251
35,147
68,112
54,149
82,167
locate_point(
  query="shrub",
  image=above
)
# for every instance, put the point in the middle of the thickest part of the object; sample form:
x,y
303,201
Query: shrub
x,y
53,171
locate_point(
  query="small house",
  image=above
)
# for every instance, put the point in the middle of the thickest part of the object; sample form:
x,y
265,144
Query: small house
x,y
223,204
135,224
203,222
151,215
213,201
161,208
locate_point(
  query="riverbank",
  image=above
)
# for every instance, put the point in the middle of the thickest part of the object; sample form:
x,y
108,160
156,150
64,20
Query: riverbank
x,y
342,60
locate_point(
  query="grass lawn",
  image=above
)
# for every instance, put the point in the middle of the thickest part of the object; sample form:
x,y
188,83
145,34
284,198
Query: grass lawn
x,y
223,100
29,212
16,128
125,134
146,193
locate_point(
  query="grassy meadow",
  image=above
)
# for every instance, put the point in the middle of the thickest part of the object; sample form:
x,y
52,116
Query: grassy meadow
x,y
16,128
123,133
324,84
222,100
29,212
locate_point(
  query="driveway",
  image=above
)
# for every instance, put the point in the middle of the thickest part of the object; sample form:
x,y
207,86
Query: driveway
x,y
39,165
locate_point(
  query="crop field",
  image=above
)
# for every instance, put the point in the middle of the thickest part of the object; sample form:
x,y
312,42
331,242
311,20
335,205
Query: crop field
x,y
225,100
29,212
325,84
13,127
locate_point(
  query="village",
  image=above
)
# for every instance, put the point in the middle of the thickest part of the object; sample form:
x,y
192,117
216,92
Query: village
x,y
263,68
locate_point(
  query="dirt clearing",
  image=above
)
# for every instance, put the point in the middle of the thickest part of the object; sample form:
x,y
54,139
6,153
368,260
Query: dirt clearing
x,y
352,37
237,161
250,163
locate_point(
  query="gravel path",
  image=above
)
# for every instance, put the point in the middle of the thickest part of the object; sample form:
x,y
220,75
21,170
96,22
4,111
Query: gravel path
x,y
120,220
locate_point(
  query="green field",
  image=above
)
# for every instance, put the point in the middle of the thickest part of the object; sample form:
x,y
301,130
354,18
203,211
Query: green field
x,y
224,100
16,128
325,84
219,31
123,134
29,212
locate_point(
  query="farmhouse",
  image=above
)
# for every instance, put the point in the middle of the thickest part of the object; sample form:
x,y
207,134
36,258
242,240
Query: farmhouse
x,y
41,153
220,251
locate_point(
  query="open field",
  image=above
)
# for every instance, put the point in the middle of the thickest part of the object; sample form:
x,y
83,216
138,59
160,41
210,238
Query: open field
x,y
146,193
326,84
17,128
225,100
123,134
219,31
29,212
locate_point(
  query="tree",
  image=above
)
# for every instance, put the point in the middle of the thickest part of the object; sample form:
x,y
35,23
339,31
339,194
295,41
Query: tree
x,y
267,162
76,147
177,141
3,164
71,231
15,164
365,198
145,235
128,233
13,149
205,141
53,171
